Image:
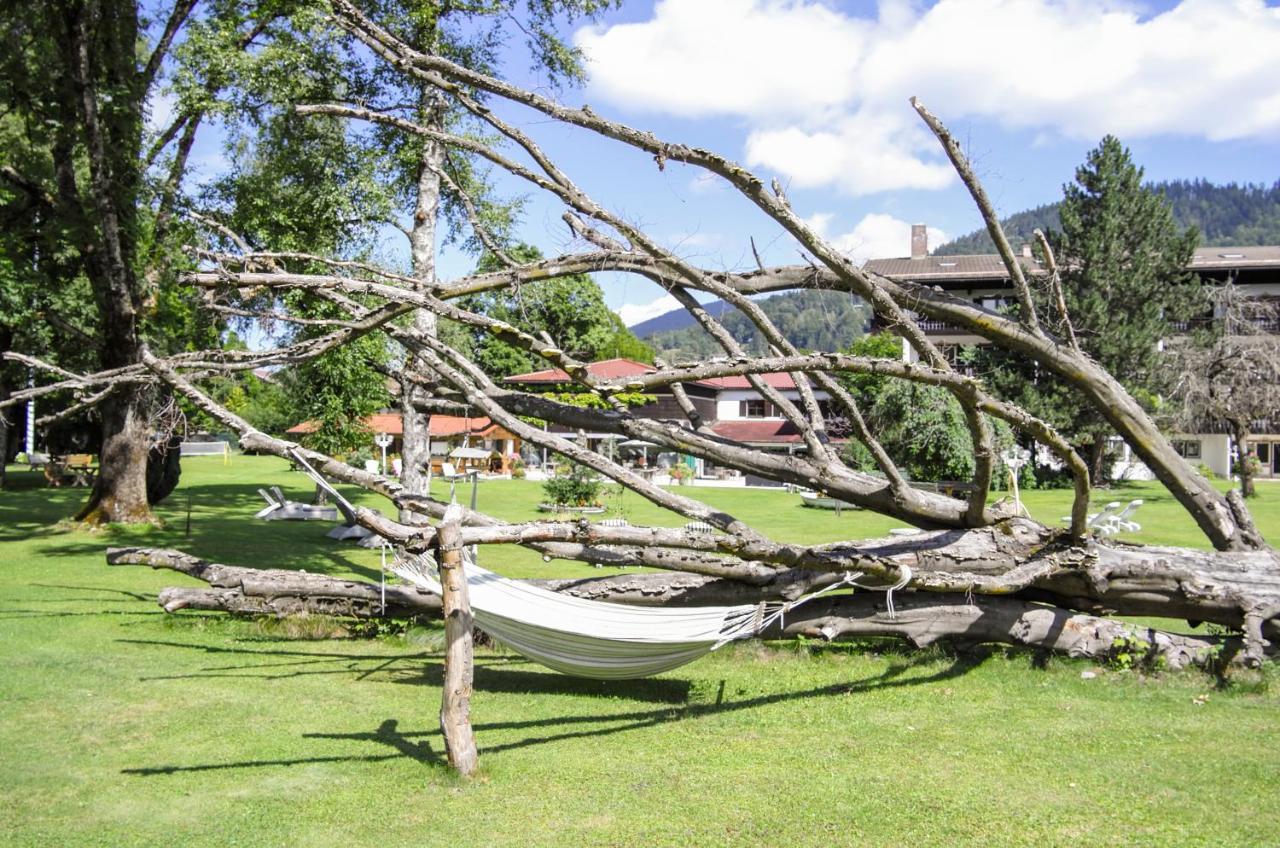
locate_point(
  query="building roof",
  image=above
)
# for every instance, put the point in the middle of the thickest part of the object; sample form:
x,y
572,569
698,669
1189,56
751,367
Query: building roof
x,y
757,431
776,380
379,422
458,425
943,270
614,369
1256,256
605,369
442,426
980,266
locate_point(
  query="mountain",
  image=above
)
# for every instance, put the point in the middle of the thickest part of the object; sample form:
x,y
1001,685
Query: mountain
x,y
812,320
1228,214
677,319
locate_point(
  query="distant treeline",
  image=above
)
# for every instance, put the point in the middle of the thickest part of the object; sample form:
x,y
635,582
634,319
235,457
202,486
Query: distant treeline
x,y
1225,215
812,320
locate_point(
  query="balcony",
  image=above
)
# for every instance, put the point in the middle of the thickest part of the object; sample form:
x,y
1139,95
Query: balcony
x,y
1266,325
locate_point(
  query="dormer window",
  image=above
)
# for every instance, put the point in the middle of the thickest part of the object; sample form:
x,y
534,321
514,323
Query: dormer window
x,y
946,264
1231,255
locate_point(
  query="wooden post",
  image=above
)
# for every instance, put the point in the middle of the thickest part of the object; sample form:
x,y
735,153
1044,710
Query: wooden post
x,y
455,703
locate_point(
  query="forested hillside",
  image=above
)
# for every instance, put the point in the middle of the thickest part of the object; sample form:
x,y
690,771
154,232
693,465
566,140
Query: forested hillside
x,y
812,320
1225,214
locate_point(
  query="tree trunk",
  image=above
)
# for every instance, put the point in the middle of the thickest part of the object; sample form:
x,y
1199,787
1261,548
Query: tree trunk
x,y
1098,461
455,702
112,139
1129,582
120,491
1240,429
4,431
416,438
164,468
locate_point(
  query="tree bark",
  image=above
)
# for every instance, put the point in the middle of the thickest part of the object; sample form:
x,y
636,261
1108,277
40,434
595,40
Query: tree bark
x,y
1098,461
1240,429
120,491
459,671
416,436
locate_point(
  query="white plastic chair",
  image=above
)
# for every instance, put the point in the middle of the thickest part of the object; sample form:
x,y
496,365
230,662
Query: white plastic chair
x,y
1099,522
1122,522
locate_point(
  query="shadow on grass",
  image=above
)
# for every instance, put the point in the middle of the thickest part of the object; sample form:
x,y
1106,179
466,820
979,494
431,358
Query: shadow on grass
x,y
403,743
420,669
222,529
386,734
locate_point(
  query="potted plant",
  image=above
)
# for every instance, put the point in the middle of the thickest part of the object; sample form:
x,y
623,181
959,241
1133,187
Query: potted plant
x,y
680,473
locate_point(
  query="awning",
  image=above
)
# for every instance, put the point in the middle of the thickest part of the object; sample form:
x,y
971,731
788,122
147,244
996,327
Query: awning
x,y
470,453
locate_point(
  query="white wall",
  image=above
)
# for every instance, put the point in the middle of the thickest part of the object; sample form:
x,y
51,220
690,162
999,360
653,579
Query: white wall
x,y
727,403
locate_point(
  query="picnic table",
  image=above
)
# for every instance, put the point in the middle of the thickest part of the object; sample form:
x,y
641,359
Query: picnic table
x,y
74,470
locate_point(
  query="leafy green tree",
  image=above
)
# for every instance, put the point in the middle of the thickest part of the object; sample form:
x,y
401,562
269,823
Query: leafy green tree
x,y
335,391
922,427
570,310
76,81
1124,276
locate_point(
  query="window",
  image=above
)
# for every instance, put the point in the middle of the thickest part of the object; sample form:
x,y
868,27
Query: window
x,y
756,409
1189,449
1263,449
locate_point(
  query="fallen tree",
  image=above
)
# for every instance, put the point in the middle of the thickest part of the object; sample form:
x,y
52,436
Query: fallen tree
x,y
922,619
978,573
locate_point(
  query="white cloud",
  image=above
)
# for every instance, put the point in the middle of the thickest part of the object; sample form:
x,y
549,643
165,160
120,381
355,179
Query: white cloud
x,y
860,154
876,236
633,313
824,92
727,57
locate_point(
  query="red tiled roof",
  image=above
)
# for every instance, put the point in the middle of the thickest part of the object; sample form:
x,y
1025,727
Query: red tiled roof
x,y
438,425
379,422
456,425
777,381
757,431
605,369
613,369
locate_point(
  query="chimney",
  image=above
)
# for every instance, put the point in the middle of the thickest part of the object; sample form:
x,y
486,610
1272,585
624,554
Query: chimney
x,y
1026,250
919,241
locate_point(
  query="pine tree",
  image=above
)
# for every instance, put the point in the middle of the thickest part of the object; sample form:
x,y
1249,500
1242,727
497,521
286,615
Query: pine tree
x,y
1124,261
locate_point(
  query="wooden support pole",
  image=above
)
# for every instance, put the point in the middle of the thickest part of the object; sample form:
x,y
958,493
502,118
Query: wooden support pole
x,y
455,703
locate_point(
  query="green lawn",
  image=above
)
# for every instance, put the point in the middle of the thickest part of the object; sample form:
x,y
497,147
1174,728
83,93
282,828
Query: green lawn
x,y
120,725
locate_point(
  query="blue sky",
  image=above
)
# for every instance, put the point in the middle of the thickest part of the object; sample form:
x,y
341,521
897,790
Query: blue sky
x,y
815,93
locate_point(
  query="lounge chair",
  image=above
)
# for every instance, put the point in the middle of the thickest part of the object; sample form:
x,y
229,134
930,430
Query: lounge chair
x,y
350,527
280,508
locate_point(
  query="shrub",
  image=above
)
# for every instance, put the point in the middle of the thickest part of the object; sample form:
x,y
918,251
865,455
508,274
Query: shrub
x,y
579,487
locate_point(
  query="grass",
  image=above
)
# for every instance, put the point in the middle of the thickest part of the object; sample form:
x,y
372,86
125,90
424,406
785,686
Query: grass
x,y
120,725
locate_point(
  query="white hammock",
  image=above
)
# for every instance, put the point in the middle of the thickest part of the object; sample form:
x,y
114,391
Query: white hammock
x,y
605,641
